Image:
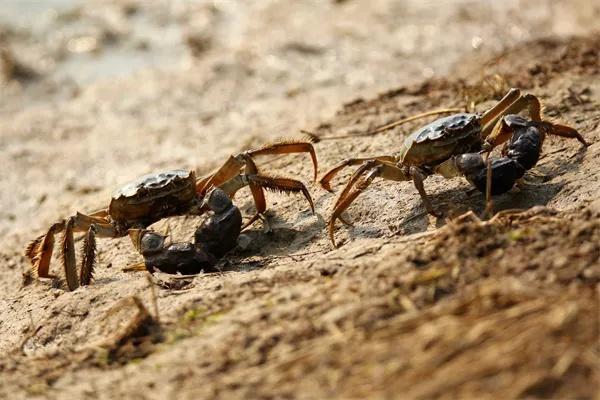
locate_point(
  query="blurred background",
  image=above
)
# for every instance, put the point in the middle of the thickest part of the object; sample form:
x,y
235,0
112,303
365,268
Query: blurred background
x,y
329,48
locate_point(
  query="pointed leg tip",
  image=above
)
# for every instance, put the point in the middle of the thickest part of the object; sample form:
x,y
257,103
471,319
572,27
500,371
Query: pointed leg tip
x,y
326,186
310,200
331,232
436,214
332,240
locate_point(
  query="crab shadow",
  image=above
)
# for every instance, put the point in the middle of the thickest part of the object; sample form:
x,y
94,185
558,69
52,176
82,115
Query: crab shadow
x,y
454,202
257,246
536,189
554,167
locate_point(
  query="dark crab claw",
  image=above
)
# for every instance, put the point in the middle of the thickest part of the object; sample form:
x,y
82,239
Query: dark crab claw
x,y
147,242
216,200
470,163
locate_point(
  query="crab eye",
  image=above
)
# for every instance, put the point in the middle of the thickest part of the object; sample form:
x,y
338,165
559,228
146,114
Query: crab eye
x,y
152,241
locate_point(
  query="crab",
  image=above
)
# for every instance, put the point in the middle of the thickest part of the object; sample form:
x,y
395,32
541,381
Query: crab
x,y
153,197
437,148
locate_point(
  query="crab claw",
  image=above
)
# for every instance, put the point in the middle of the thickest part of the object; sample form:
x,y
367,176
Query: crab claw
x,y
217,200
146,241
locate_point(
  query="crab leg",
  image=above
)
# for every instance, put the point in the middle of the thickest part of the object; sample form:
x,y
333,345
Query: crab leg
x,y
567,132
103,213
281,184
359,181
88,256
329,175
101,225
288,147
231,168
257,193
68,255
39,251
344,203
491,116
360,171
235,163
92,226
261,206
418,177
370,163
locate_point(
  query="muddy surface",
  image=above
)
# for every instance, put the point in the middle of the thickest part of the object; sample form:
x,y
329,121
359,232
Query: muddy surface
x,y
409,306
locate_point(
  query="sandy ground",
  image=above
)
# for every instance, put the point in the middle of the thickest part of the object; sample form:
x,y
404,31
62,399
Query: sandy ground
x,y
409,306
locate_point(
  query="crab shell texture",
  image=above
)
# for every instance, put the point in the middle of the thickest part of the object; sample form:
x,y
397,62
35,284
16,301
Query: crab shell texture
x,y
441,139
153,197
